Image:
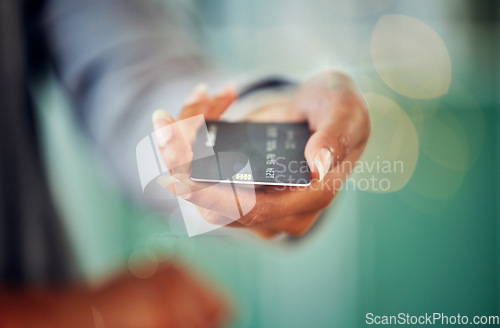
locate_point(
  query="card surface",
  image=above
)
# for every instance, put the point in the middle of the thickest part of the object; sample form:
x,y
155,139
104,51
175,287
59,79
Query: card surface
x,y
251,153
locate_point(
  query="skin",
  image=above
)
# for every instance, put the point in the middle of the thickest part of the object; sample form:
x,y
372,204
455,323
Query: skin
x,y
339,122
171,297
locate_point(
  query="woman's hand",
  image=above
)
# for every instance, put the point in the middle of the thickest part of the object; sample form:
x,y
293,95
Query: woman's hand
x,y
340,127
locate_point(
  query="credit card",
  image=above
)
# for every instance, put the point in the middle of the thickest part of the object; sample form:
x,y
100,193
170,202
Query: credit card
x,y
251,153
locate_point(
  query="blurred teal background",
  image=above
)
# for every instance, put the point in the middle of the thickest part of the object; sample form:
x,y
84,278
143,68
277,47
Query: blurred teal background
x,y
432,246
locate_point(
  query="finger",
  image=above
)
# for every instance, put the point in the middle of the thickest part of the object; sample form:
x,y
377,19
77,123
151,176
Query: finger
x,y
215,197
272,203
265,233
329,146
216,218
175,149
201,107
263,204
275,112
219,205
271,225
218,198
263,230
277,204
292,224
221,102
198,102
175,138
295,225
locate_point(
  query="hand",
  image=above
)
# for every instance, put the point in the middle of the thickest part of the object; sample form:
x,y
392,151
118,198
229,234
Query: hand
x,y
339,121
170,298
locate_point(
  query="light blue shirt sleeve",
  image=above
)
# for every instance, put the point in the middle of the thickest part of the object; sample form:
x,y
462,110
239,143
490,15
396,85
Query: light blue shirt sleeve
x,y
120,60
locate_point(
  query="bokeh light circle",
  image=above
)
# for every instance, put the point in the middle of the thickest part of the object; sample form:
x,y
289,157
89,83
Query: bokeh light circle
x,y
467,111
436,181
410,57
451,131
393,144
185,250
162,244
443,139
143,263
359,8
451,134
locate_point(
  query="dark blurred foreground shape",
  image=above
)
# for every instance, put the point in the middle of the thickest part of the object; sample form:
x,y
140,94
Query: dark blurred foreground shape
x,y
33,248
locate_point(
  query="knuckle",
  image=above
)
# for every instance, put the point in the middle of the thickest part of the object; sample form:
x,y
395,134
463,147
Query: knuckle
x,y
342,144
192,110
339,81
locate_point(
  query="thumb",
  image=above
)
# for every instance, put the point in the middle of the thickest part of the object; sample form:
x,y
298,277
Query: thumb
x,y
339,118
323,150
333,141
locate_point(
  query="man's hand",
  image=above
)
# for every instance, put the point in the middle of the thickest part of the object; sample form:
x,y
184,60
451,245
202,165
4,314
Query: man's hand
x,y
340,126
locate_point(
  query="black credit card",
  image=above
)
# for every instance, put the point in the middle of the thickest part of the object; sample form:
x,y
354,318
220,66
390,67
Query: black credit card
x,y
251,153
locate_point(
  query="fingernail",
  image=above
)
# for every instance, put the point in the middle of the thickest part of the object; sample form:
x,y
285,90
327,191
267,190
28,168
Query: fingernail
x,y
323,162
197,94
161,114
